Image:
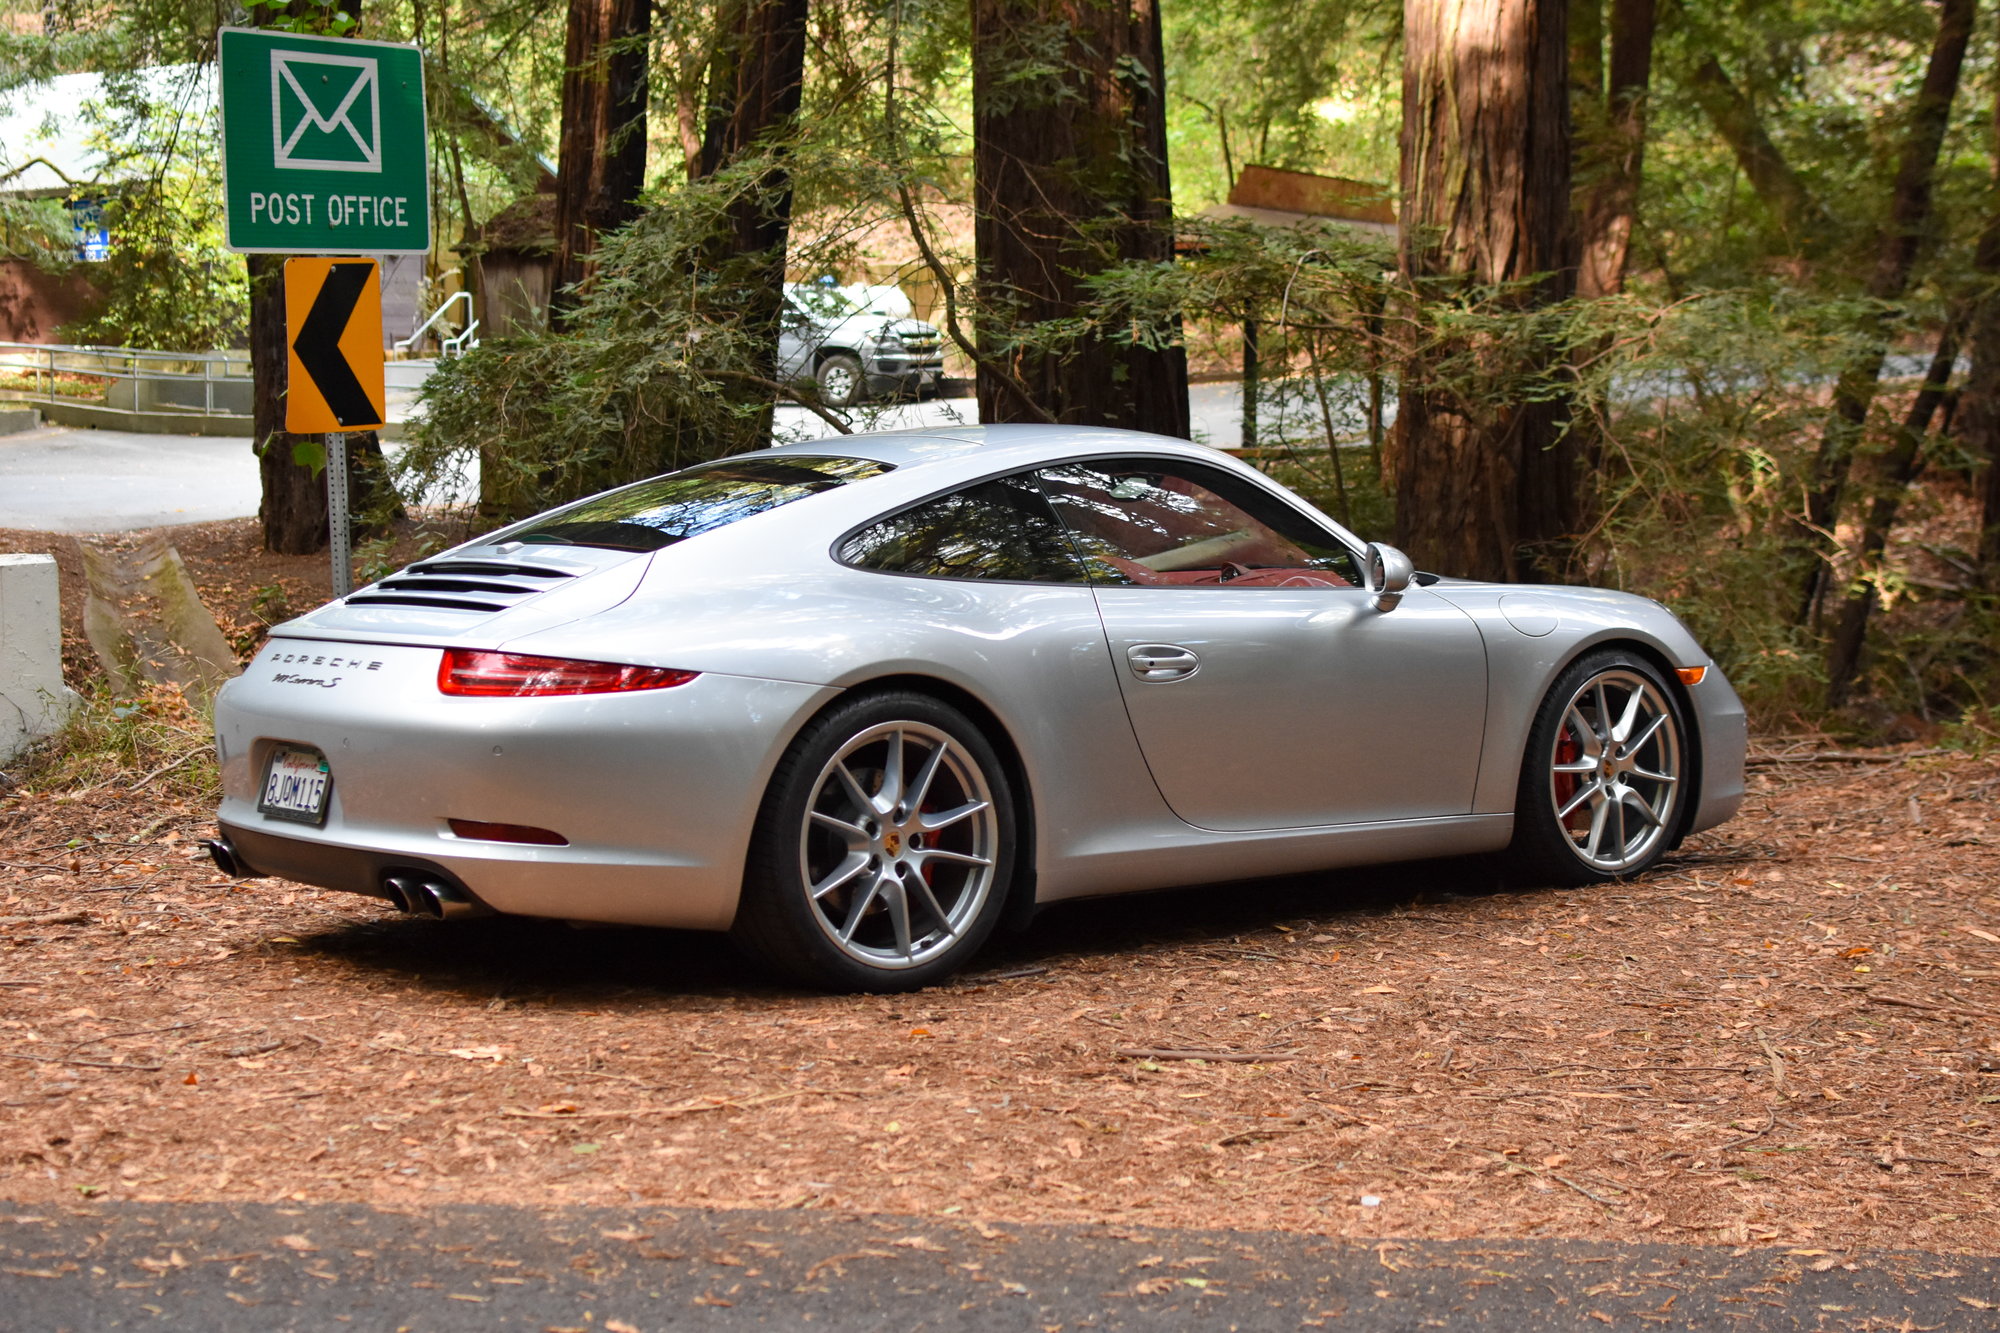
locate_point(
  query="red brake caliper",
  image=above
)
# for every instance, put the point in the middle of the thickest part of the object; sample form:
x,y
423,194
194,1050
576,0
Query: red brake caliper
x,y
1568,751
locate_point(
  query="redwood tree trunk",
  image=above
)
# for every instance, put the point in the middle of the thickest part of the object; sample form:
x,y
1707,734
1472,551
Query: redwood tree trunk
x,y
1070,178
754,84
1979,421
1896,255
601,165
1613,152
1485,185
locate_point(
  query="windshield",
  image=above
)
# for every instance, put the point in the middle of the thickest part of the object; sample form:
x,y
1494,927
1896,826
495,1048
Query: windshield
x,y
686,504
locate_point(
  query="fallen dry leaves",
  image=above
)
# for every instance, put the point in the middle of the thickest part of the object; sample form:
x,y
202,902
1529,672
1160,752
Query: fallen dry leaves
x,y
1787,1035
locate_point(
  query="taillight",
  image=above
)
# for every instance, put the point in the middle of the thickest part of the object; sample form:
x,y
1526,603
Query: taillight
x,y
475,672
486,832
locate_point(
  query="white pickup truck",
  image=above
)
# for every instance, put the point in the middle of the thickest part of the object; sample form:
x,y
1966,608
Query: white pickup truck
x,y
857,342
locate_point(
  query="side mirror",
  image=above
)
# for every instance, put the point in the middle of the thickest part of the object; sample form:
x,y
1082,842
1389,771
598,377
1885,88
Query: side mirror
x,y
1388,572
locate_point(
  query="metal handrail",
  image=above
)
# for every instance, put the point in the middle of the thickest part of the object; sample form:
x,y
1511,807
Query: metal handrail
x,y
404,344
43,362
455,346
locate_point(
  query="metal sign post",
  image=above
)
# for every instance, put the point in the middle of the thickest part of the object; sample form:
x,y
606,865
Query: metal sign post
x,y
339,530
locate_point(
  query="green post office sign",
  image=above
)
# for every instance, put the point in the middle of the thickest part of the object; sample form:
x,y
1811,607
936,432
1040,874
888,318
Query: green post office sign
x,y
323,145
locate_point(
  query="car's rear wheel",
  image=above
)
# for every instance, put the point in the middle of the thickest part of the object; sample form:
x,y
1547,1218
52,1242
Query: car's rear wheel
x,y
1603,781
882,852
841,383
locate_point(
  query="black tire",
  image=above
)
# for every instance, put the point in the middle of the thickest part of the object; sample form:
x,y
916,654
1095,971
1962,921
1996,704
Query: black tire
x,y
883,879
841,381
1604,780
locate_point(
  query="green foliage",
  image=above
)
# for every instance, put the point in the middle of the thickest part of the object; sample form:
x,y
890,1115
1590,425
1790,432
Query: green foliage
x,y
169,285
159,740
659,370
318,18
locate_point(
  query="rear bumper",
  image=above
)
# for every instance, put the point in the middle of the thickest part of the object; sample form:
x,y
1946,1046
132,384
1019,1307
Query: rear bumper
x,y
656,791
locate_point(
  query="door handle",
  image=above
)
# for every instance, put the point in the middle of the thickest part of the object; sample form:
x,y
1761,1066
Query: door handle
x,y
1161,661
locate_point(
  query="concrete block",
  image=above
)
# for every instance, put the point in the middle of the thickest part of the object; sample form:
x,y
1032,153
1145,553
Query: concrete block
x,y
14,420
33,699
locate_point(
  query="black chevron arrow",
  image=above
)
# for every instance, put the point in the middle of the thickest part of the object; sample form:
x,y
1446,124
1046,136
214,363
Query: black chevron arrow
x,y
318,345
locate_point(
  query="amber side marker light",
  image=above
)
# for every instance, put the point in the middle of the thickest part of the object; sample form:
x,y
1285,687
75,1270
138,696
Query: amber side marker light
x,y
485,832
1691,675
476,673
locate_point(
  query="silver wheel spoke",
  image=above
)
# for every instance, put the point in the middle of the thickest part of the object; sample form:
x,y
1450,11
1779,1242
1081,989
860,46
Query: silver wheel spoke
x,y
1630,717
891,795
1600,812
843,873
1583,793
855,835
1638,743
920,786
1651,776
1631,798
930,854
931,905
859,908
1586,733
946,818
1576,766
1603,728
897,898
862,800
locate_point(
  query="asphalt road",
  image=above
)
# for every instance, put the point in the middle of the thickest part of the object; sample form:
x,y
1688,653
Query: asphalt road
x,y
323,1266
61,480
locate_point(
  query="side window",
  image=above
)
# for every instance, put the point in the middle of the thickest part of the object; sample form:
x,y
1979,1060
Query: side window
x,y
1000,529
1155,522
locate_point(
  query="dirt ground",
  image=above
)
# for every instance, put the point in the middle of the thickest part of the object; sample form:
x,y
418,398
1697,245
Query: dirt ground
x,y
1790,1034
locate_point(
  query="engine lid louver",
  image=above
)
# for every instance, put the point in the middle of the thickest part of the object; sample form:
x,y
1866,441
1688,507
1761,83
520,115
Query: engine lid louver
x,y
480,586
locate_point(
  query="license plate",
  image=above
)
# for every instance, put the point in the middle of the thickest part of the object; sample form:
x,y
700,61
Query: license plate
x,y
297,783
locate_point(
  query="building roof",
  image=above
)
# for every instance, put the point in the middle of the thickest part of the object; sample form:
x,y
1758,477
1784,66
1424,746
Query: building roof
x,y
1275,197
50,139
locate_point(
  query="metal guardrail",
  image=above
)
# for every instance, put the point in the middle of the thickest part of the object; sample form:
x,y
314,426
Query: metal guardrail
x,y
136,380
449,345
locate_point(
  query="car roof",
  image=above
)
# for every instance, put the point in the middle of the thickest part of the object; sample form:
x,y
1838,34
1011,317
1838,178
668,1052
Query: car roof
x,y
986,448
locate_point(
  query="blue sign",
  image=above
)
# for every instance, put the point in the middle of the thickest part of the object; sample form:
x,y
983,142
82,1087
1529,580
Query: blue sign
x,y
86,225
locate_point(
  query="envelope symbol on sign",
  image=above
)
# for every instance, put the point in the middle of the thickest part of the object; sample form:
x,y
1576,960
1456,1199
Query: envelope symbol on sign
x,y
326,112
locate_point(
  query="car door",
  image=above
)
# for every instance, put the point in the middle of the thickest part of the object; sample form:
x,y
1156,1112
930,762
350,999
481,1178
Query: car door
x,y
796,341
1265,689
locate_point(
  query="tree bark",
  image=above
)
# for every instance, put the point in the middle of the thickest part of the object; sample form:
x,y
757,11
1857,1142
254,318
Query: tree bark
x,y
1485,186
601,162
1896,255
1900,468
1799,215
1070,178
1979,418
754,85
1612,159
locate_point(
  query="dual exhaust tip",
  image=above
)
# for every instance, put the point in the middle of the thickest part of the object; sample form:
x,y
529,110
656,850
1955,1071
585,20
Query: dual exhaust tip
x,y
409,891
426,895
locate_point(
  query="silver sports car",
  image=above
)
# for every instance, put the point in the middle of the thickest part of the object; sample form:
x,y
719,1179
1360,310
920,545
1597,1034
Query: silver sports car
x,y
858,701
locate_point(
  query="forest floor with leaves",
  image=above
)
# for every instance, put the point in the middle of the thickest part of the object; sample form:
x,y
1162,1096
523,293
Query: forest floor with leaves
x,y
1790,1035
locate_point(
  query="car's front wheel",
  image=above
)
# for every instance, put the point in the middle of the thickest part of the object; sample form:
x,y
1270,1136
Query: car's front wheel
x,y
1604,777
841,382
883,850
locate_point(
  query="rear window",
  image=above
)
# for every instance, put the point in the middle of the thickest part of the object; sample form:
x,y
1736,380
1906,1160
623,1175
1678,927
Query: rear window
x,y
688,503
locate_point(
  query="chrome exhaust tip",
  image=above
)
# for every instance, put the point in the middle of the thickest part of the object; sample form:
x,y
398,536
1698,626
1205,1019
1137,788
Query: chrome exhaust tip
x,y
226,859
401,893
427,895
447,902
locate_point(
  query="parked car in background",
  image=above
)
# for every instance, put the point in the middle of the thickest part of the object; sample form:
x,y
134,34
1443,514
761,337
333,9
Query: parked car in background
x,y
858,700
856,343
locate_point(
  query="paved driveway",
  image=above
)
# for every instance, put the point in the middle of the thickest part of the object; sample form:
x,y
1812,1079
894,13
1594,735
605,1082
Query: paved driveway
x,y
62,480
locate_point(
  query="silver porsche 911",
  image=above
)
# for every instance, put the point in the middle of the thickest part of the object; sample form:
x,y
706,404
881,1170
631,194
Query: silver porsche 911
x,y
858,701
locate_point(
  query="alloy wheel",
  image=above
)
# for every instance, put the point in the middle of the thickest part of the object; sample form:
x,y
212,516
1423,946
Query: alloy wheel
x,y
896,855
1615,770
